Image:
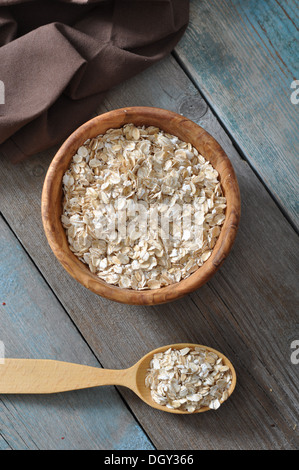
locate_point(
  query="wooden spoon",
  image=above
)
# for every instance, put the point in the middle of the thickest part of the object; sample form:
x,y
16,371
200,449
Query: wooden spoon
x,y
41,376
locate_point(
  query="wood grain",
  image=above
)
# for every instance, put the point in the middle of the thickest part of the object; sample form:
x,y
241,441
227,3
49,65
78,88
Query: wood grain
x,y
187,131
243,56
248,310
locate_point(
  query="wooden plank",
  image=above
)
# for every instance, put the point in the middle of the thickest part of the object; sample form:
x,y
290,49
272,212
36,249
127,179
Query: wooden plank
x,y
247,311
34,325
243,56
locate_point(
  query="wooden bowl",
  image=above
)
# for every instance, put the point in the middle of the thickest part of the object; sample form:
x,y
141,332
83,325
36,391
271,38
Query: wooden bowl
x,y
186,130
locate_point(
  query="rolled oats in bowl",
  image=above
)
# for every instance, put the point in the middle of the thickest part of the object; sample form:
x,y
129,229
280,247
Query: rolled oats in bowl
x,y
141,208
188,379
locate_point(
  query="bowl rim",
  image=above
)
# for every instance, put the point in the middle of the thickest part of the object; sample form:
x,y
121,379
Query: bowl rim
x,y
51,199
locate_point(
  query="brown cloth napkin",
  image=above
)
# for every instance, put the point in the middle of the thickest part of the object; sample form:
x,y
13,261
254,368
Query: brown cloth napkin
x,y
59,57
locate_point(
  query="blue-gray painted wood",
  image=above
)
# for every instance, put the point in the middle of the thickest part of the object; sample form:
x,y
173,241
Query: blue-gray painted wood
x,y
244,56
34,325
248,310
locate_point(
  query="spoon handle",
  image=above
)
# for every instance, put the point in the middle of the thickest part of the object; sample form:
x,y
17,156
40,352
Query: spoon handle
x,y
51,376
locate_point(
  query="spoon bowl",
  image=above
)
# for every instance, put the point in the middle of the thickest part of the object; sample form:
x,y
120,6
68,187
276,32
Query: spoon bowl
x,y
42,376
142,366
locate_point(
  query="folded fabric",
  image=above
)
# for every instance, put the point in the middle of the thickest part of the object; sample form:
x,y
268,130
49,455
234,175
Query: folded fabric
x,y
59,58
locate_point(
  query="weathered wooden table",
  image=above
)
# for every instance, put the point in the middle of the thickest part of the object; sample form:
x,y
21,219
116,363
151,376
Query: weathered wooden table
x,y
232,73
